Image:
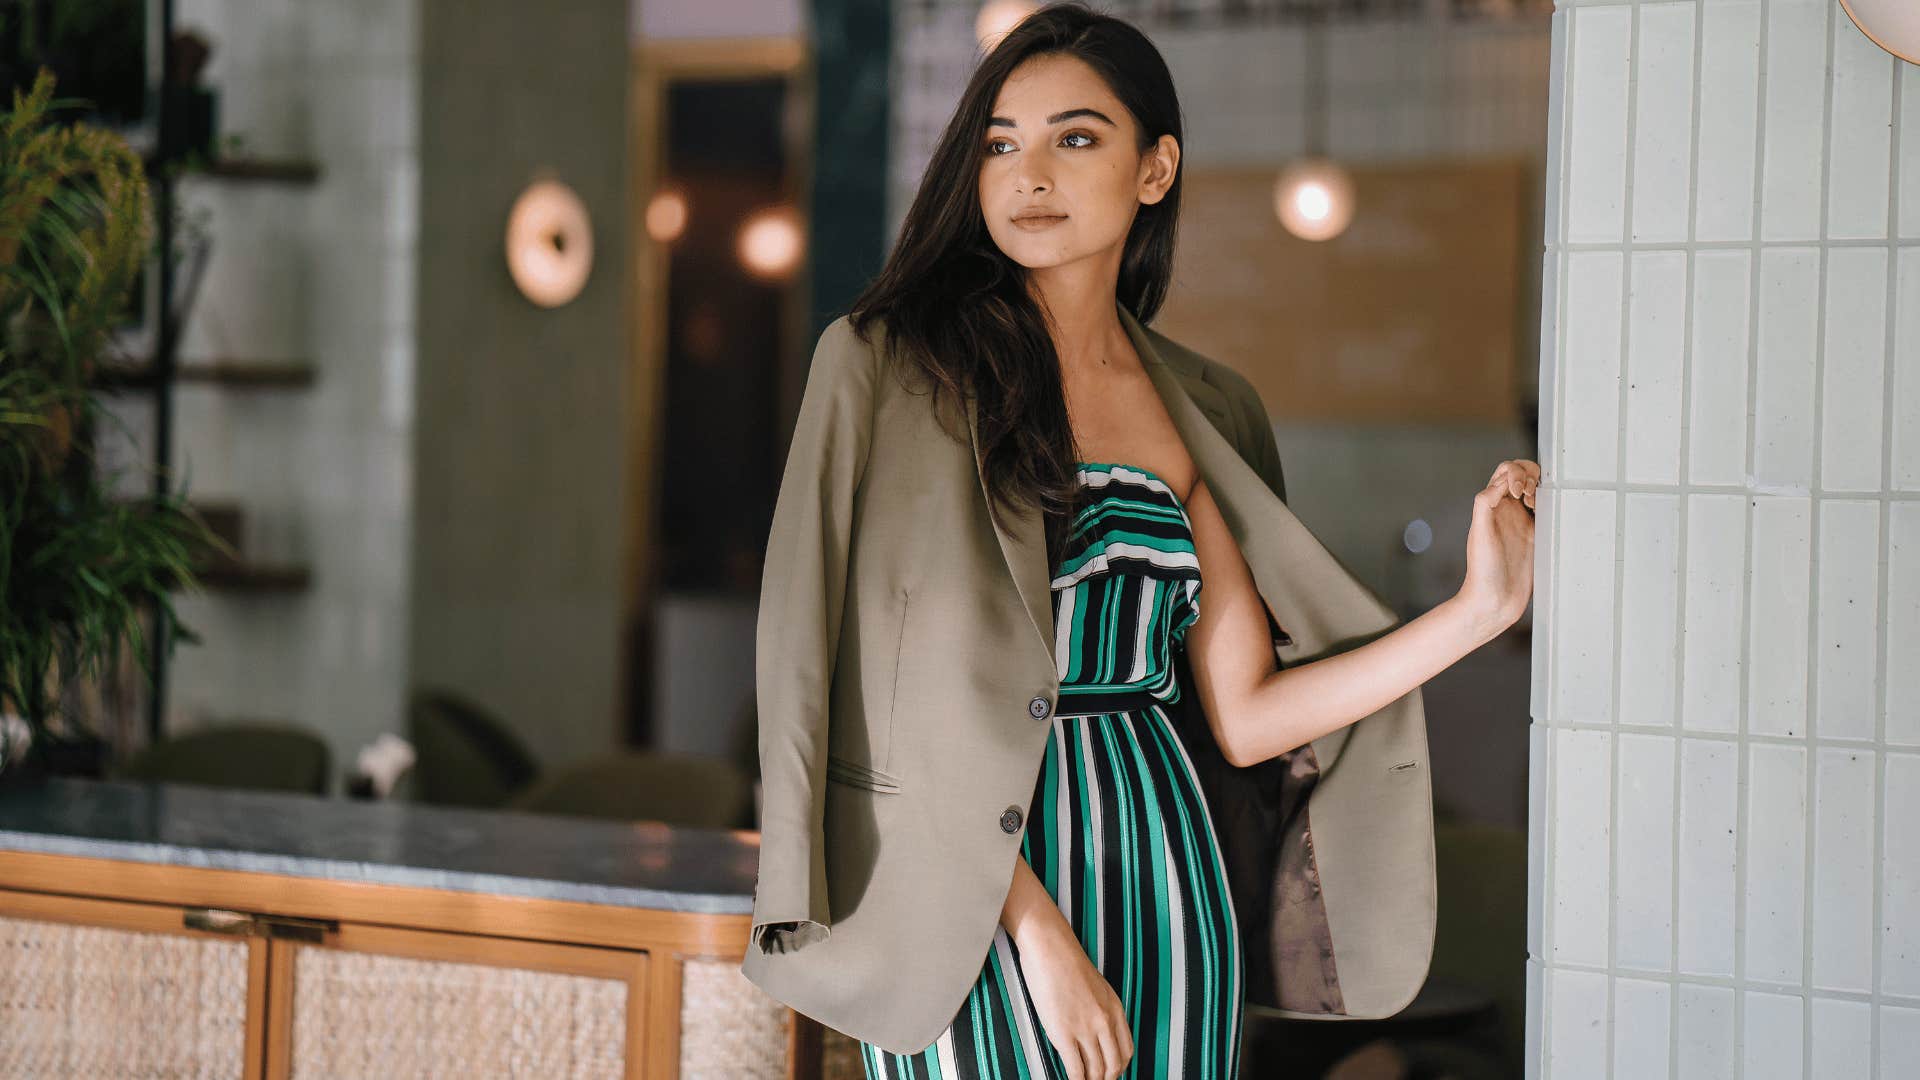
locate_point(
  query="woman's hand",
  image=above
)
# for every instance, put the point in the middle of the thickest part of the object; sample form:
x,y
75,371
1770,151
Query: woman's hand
x,y
1081,1014
1500,545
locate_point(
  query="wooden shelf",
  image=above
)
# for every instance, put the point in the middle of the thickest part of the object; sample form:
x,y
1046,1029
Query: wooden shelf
x,y
233,374
271,170
254,577
215,571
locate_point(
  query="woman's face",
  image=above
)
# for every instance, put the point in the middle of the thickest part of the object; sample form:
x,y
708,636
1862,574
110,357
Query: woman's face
x,y
1060,144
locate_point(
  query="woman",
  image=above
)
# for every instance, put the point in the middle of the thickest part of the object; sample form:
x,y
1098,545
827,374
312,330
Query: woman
x,y
1117,948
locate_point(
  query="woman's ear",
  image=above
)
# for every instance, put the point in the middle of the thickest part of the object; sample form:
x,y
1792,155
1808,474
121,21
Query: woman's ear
x,y
1158,167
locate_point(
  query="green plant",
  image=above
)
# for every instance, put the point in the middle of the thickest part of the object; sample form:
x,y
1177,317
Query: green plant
x,y
77,567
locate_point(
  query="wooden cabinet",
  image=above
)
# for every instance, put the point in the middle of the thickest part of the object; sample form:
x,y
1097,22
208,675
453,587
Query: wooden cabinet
x,y
123,968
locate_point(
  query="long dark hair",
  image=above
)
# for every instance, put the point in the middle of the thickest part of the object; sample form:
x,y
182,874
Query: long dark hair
x,y
957,309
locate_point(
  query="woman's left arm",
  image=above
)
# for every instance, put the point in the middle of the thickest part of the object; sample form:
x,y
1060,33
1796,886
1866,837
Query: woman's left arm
x,y
1258,711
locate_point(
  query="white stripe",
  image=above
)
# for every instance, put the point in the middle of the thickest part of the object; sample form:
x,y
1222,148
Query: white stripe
x,y
1063,630
1115,548
1230,954
1148,589
1017,993
1100,479
943,1047
1063,821
1098,848
1176,919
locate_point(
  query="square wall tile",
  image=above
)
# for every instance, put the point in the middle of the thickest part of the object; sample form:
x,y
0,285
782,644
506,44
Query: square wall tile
x,y
1581,767
1601,65
1712,657
1842,1038
1906,370
1783,399
1643,897
1589,427
1853,370
1771,1042
1649,610
1848,635
1899,1041
1706,1033
1656,340
1859,162
1717,407
1642,1028
1539,737
1729,119
1900,878
1583,614
1709,797
1663,122
1775,865
1903,623
1577,1026
1795,143
1844,797
1777,625
1909,168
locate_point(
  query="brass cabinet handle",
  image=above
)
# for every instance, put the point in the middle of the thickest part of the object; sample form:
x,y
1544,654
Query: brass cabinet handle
x,y
246,924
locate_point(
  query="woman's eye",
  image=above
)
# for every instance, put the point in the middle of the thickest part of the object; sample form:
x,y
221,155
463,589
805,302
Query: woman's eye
x,y
991,143
1079,135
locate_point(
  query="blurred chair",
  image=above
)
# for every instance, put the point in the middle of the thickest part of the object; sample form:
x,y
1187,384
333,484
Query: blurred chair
x,y
257,756
465,755
679,789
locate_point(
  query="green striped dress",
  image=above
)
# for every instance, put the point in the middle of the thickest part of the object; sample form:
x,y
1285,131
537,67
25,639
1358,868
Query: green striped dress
x,y
1118,830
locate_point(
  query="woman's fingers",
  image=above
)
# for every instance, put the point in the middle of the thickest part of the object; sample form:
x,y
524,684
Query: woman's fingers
x,y
1110,1060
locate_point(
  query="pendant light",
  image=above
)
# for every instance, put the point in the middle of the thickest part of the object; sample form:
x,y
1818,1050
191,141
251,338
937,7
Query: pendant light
x,y
1313,195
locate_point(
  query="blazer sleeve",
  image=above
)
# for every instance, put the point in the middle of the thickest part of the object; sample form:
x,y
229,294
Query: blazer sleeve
x,y
802,594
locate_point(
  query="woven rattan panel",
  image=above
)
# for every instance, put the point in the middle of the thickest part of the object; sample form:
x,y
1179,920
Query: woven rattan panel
x,y
729,1028
84,1001
364,1014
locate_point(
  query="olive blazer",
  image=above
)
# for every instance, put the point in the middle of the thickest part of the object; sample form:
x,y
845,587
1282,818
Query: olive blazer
x,y
905,681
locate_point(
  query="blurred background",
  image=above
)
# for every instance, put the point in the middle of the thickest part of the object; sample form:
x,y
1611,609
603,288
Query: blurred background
x,y
486,323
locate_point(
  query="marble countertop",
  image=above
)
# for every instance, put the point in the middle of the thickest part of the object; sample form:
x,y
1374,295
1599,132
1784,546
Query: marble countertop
x,y
642,864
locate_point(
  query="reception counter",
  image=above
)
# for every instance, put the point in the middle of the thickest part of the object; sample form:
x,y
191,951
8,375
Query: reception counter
x,y
155,929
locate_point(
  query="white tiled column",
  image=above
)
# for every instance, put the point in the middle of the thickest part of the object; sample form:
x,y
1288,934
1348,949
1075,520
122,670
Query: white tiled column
x,y
1726,742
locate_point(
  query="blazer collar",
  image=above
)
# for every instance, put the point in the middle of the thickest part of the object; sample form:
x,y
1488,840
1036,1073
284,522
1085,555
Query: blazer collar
x,y
1232,482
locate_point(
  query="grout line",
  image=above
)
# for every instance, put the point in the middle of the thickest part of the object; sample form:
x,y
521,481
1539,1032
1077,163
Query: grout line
x,y
1743,750
1557,152
1621,441
1901,1001
1685,473
1797,490
1883,649
1810,766
1739,245
1833,742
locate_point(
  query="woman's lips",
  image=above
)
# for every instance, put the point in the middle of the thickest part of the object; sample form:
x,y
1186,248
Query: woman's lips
x,y
1034,224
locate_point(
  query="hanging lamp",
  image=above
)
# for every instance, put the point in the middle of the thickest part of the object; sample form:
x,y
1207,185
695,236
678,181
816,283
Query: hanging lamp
x,y
1313,195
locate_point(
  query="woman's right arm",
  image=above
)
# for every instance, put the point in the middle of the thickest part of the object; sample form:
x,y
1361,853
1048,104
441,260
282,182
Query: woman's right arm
x,y
1079,1011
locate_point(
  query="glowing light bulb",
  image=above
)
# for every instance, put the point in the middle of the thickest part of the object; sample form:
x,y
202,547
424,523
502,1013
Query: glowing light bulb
x,y
667,215
769,244
1314,198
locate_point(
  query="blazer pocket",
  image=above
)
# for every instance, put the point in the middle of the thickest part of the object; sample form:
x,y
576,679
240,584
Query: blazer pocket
x,y
843,771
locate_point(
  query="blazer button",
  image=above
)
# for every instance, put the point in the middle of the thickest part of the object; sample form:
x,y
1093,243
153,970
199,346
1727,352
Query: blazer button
x,y
1039,707
1010,820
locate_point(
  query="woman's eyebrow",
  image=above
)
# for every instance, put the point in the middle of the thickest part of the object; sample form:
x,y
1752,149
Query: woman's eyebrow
x,y
1056,118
